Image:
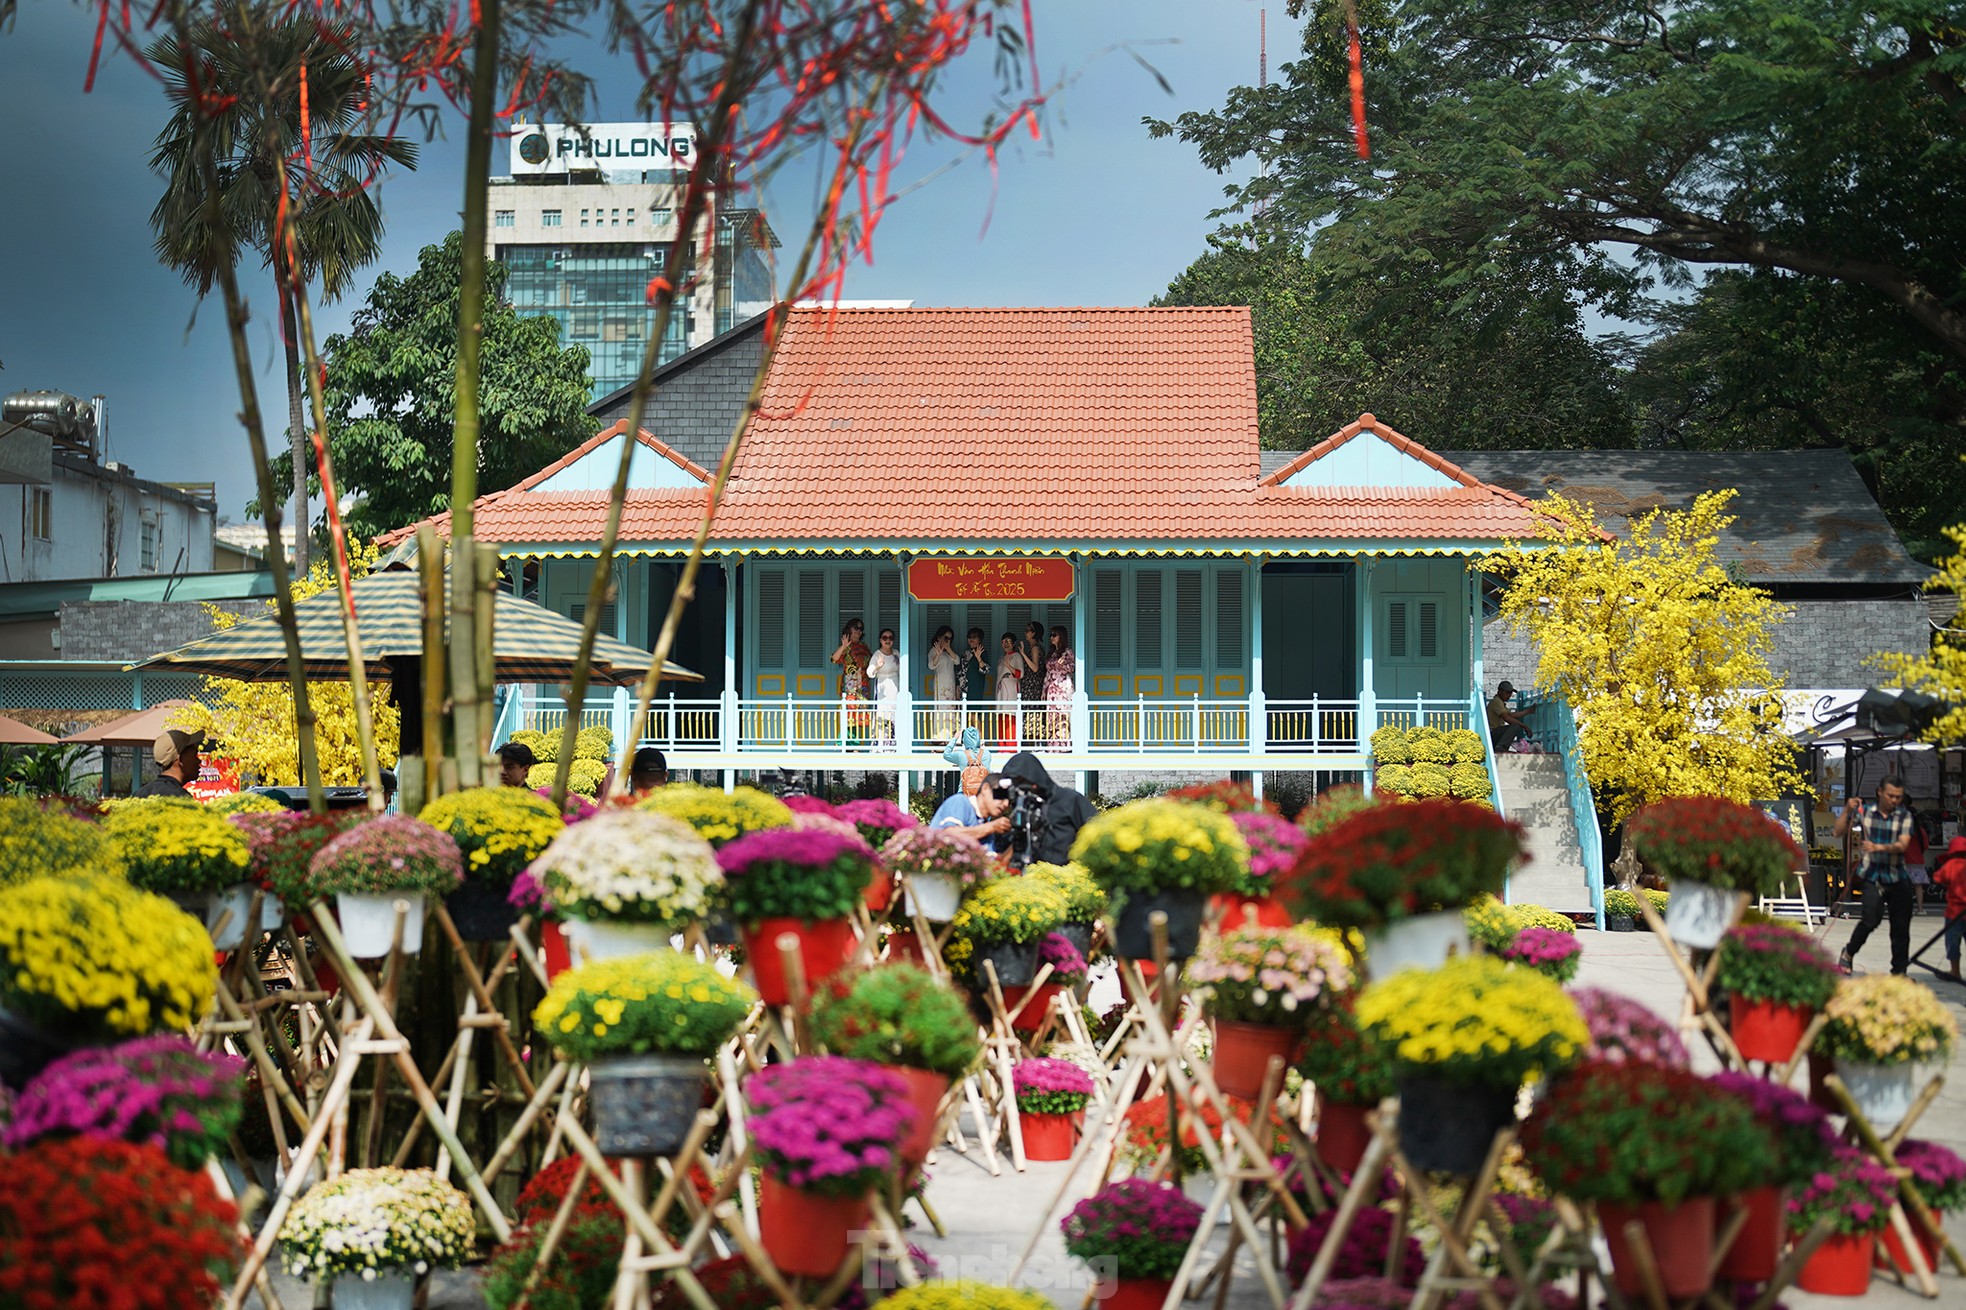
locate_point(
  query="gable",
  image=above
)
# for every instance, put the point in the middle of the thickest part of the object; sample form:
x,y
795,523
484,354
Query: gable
x,y
594,470
1367,458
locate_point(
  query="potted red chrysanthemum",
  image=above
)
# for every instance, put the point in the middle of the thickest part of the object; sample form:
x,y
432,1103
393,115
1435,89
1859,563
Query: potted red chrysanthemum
x,y
1710,849
1776,978
1141,1230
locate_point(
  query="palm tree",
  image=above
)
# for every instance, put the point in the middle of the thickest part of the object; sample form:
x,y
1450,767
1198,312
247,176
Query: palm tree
x,y
236,87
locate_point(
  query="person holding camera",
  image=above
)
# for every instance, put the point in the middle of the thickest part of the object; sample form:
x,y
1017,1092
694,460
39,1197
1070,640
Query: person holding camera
x,y
1045,816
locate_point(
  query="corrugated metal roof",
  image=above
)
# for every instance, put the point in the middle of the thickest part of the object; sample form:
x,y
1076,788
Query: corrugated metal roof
x,y
1802,516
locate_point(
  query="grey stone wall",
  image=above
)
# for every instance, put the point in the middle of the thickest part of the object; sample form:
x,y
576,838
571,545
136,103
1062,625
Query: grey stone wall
x,y
137,629
1824,643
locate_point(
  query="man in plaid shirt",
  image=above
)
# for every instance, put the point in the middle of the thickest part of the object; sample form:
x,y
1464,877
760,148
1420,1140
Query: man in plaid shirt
x,y
1883,832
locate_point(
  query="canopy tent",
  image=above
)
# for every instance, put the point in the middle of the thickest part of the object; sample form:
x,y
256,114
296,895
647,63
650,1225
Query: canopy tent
x,y
139,729
530,643
15,733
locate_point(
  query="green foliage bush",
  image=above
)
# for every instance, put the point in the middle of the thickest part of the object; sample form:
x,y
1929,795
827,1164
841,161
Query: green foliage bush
x,y
897,1014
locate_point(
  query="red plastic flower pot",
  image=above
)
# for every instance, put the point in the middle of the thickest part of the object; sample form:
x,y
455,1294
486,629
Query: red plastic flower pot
x,y
1342,1134
1891,1250
804,1233
1049,1136
1764,1030
1757,1248
1243,1051
879,891
1252,912
553,945
1136,1294
1681,1238
1840,1266
824,945
1031,1018
925,1095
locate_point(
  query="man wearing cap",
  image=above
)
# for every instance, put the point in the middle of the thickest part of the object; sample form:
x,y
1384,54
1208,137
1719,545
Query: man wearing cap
x,y
981,816
176,753
1505,726
649,771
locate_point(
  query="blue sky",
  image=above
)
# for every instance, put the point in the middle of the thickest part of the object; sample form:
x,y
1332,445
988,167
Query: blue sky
x,y
1095,214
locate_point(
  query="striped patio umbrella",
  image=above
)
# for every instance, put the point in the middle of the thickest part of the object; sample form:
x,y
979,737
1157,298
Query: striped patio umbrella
x,y
531,643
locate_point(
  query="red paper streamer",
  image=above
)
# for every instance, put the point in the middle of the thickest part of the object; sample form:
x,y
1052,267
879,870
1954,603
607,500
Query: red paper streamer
x,y
1358,93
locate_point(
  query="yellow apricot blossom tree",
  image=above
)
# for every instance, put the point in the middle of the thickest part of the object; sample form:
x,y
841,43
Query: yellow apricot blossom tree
x,y
1941,670
1662,655
253,722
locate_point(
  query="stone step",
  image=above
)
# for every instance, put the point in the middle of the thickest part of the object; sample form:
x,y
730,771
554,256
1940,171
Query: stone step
x,y
1534,794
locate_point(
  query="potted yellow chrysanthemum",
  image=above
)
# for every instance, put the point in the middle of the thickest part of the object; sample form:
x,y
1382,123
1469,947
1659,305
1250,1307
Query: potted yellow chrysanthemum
x,y
1158,855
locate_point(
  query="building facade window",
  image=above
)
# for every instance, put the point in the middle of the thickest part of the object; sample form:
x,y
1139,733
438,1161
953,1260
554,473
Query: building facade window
x,y
147,547
583,218
549,218
503,218
631,218
614,218
598,294
658,216
40,513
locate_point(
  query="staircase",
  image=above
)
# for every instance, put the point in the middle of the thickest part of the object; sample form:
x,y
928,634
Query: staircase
x,y
1533,794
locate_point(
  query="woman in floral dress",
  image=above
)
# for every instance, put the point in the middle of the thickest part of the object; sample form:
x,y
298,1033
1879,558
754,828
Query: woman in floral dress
x,y
1030,683
1060,672
852,656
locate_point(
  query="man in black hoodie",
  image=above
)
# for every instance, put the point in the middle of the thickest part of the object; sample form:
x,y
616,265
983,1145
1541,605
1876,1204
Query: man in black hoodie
x,y
1062,811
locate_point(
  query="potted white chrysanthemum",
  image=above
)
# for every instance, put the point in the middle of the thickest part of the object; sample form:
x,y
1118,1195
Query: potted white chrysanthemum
x,y
624,880
375,1232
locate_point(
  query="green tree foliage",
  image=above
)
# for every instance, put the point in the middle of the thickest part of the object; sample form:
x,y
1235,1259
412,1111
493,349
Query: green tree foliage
x,y
1515,370
1616,152
391,392
257,60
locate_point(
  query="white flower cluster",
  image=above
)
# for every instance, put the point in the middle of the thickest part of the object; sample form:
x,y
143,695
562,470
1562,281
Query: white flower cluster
x,y
371,1221
633,865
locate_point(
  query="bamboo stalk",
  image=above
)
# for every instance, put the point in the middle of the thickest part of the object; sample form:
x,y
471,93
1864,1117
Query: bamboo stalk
x,y
685,590
695,199
236,318
487,600
430,570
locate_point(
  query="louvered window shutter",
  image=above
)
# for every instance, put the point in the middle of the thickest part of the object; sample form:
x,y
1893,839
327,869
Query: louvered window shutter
x,y
1060,616
1015,617
938,616
771,618
890,594
577,612
817,637
1428,614
1106,607
853,597
1228,618
1396,636
1187,619
1146,620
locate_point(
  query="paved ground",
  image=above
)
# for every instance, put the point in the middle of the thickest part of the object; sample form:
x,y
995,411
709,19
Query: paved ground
x,y
991,1219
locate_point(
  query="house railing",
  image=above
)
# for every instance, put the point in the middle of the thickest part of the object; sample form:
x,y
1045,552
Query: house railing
x,y
1181,726
1554,727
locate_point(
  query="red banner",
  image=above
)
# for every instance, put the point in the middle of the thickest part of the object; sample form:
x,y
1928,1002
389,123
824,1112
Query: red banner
x,y
1018,578
216,777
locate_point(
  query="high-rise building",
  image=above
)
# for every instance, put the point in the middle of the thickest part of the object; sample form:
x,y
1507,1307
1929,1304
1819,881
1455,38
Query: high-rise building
x,y
583,225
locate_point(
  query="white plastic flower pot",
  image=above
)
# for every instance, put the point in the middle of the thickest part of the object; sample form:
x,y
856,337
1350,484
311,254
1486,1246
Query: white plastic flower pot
x,y
232,905
1884,1092
1424,941
272,912
936,895
368,921
1696,914
598,940
391,1289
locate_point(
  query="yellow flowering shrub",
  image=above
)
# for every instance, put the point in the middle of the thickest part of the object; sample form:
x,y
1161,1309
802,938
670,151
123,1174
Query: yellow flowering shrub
x,y
595,743
1009,909
1084,902
171,848
964,1295
545,746
1495,925
245,802
1475,1020
583,776
499,830
100,960
38,842
662,1003
719,818
1887,1019
1155,845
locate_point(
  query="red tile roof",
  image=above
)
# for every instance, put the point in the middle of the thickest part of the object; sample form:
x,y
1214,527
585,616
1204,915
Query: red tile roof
x,y
1015,427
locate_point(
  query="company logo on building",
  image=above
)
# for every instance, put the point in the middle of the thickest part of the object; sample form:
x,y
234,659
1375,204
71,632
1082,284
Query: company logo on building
x,y
560,148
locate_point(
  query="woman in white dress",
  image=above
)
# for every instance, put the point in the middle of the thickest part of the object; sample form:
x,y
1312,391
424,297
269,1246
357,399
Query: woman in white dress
x,y
1010,673
942,661
885,669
